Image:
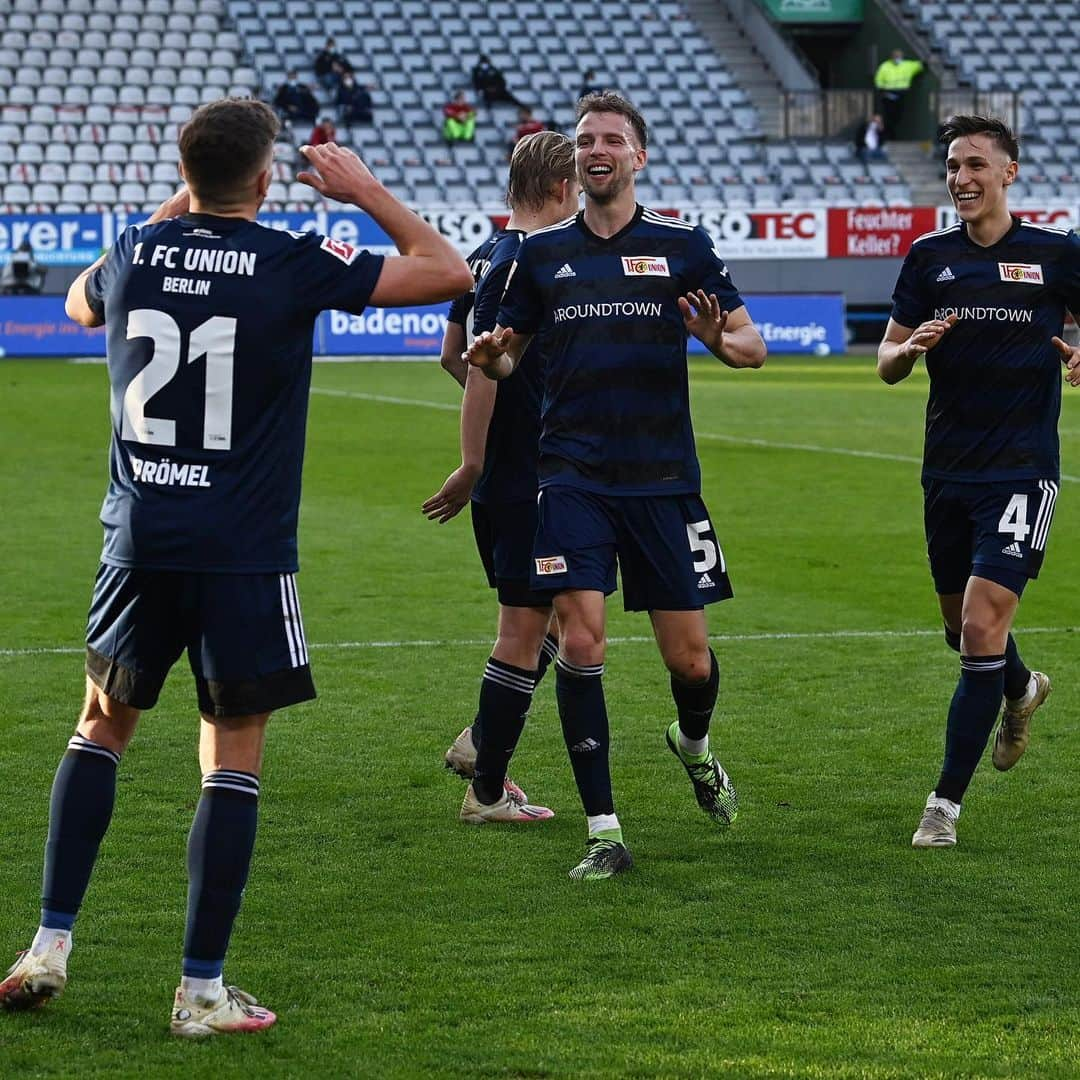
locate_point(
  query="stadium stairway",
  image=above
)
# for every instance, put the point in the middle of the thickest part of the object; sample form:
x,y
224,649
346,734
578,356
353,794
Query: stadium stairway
x,y
751,70
920,166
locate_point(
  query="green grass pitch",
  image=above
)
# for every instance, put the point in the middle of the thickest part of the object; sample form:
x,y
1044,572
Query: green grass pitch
x,y
808,941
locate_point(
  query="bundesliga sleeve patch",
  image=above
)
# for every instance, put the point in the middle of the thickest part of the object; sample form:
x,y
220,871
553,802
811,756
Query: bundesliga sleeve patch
x,y
1025,273
340,250
645,266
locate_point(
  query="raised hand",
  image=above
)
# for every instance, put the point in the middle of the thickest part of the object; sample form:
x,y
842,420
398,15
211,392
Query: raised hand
x,y
174,206
925,336
703,318
337,173
488,352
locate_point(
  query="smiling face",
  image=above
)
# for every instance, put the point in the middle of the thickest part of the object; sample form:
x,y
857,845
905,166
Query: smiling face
x,y
608,155
979,173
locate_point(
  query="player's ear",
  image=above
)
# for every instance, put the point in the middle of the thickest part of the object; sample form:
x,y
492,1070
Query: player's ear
x,y
641,156
262,182
1011,171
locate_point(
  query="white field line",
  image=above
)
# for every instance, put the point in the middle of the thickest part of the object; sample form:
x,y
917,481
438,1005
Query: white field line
x,y
428,643
735,440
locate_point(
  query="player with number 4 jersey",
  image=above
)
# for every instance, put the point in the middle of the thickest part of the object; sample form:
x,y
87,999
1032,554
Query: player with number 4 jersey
x,y
614,293
984,301
209,321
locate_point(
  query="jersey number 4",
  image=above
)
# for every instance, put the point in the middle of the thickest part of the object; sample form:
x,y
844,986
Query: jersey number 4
x,y
215,339
1014,520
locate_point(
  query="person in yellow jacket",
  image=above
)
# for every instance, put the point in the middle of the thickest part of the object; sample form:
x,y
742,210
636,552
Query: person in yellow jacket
x,y
893,80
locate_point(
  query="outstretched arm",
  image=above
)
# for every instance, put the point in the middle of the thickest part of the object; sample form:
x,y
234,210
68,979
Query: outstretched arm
x,y
901,346
429,268
1070,357
497,352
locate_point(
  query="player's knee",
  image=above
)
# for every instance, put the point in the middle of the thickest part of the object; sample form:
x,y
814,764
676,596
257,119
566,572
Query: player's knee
x,y
983,634
689,665
106,721
583,646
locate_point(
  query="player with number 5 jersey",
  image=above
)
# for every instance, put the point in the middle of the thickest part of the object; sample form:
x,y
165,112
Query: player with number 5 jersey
x,y
615,291
984,302
209,320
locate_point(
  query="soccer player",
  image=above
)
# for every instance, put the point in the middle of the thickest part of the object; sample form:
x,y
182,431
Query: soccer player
x,y
209,318
984,301
614,291
500,433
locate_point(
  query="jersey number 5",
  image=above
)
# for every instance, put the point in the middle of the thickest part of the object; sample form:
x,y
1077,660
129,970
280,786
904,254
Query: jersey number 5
x,y
706,552
215,339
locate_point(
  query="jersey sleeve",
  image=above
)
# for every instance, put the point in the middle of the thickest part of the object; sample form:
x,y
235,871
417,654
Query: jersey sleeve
x,y
101,281
522,306
329,273
491,287
911,305
1070,277
460,307
706,270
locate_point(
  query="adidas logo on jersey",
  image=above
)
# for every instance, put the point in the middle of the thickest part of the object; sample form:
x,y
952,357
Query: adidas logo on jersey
x,y
1014,550
565,271
946,275
705,582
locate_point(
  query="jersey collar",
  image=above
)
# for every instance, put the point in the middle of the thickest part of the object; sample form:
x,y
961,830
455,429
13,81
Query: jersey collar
x,y
1005,239
638,210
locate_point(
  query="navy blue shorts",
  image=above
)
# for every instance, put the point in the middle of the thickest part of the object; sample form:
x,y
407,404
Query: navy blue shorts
x,y
243,634
667,553
995,530
504,537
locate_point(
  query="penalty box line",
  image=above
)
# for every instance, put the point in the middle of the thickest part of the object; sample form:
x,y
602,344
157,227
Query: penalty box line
x,y
446,643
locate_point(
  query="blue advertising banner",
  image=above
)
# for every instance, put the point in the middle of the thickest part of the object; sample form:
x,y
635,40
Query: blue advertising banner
x,y
57,239
795,322
789,323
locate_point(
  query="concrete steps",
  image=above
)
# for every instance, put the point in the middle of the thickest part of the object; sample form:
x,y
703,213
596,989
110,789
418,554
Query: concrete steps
x,y
919,163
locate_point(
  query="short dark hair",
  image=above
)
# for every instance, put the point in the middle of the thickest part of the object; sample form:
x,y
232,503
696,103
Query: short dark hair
x,y
956,127
224,145
608,101
538,163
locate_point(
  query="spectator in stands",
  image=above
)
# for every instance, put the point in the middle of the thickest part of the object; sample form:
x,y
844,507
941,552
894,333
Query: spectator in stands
x,y
354,102
22,275
527,125
893,80
295,101
459,124
323,132
589,85
870,139
331,66
490,83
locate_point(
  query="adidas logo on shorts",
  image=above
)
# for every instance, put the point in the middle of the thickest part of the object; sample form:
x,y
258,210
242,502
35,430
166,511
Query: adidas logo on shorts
x,y
706,582
1014,550
564,271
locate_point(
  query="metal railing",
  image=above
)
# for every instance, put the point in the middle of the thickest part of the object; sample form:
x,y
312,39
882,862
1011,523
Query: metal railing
x,y
831,114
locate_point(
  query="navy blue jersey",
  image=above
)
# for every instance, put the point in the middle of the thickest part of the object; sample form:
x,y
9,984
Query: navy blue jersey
x,y
209,328
513,437
616,409
461,308
995,377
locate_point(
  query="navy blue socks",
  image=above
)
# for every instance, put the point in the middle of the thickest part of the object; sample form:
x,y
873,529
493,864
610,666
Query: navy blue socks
x,y
580,693
972,714
80,809
219,854
505,696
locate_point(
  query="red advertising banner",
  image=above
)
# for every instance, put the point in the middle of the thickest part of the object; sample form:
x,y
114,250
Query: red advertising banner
x,y
1060,215
877,232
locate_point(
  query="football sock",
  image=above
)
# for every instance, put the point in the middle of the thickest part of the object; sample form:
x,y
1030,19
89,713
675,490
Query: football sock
x,y
694,703
548,651
604,827
219,854
80,809
1017,676
505,696
208,990
972,714
952,639
580,694
45,938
